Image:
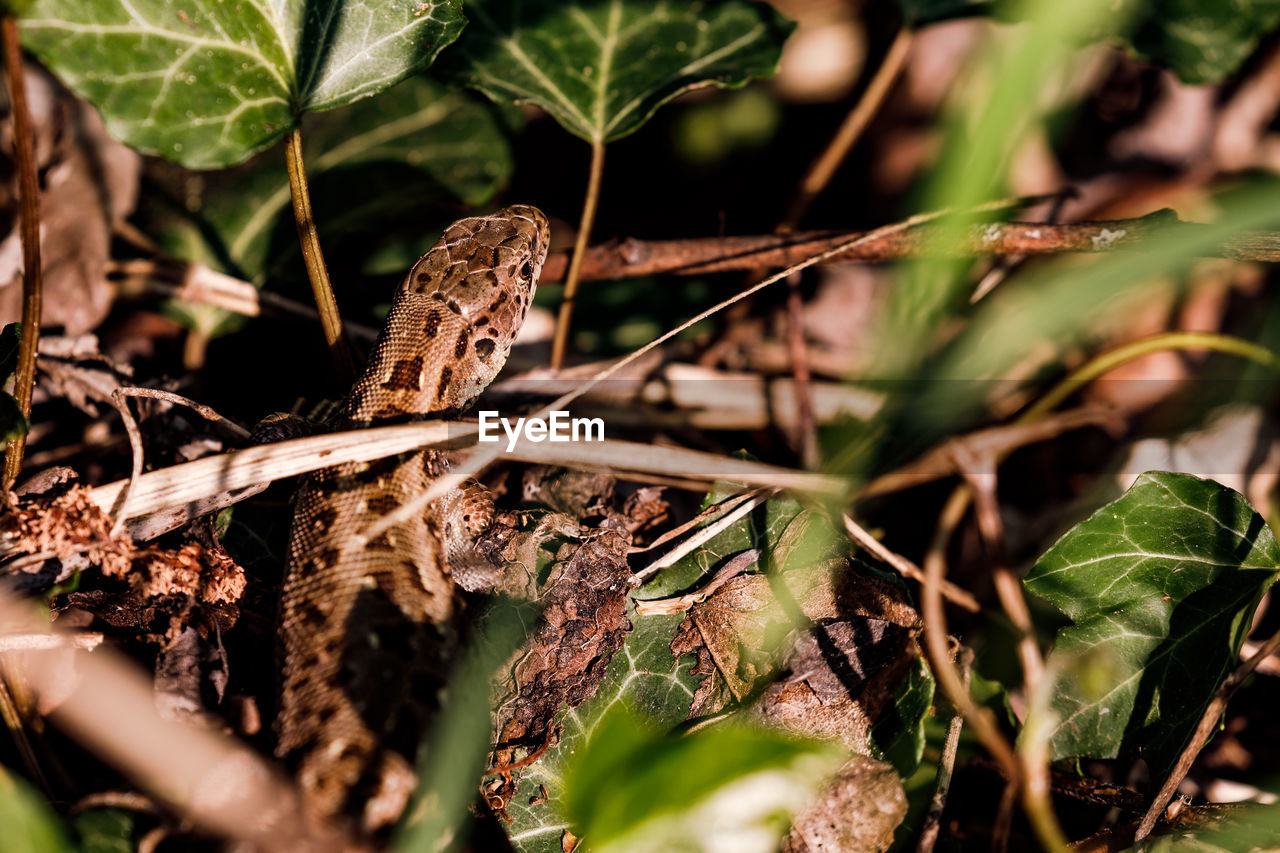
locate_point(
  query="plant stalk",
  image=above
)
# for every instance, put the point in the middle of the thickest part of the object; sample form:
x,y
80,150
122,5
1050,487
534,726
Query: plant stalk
x,y
313,257
824,167
29,195
589,204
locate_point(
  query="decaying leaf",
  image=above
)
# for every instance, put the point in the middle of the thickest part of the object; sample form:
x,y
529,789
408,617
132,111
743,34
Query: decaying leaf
x,y
579,494
71,528
89,182
584,622
857,812
64,531
840,669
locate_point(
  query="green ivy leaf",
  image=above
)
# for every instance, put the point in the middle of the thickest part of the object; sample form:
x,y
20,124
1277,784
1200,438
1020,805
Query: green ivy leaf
x,y
601,67
1161,585
104,830
1203,41
898,736
207,83
375,169
636,788
12,422
29,826
644,674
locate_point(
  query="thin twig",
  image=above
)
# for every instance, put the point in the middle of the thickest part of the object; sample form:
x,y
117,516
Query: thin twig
x,y
631,258
313,257
1002,827
905,567
186,281
1005,265
941,461
980,719
698,256
715,509
16,718
824,167
736,565
946,766
118,515
704,534
29,196
709,512
564,320
412,508
199,408
26,641
798,354
979,472
1208,722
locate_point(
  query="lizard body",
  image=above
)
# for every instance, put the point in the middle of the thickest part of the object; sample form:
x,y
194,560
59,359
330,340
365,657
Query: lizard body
x,y
368,639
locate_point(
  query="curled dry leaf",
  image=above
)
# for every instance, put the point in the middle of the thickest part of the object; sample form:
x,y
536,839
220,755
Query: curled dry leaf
x,y
646,510
838,677
841,667
171,590
70,527
89,182
74,369
848,638
856,812
584,622
60,533
579,494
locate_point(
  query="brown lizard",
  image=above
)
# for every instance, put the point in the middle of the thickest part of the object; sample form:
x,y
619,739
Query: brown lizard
x,y
368,635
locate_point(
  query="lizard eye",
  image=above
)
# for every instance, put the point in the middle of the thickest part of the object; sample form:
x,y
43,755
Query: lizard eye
x,y
526,271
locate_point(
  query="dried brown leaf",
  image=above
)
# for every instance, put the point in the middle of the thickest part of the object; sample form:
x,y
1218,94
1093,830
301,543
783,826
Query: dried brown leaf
x,y
856,812
89,182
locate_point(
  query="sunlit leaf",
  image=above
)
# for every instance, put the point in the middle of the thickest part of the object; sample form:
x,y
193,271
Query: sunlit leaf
x,y
29,826
1203,41
726,787
1160,586
207,82
601,67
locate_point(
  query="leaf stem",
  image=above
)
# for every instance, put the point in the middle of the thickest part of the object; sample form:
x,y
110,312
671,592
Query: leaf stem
x,y
1110,360
824,167
814,182
946,766
589,204
980,719
313,257
1208,722
29,194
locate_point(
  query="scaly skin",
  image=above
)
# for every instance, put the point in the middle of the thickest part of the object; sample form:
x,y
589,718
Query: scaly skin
x,y
368,639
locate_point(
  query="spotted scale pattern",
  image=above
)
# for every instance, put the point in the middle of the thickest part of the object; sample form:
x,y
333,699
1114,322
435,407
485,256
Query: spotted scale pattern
x,y
368,639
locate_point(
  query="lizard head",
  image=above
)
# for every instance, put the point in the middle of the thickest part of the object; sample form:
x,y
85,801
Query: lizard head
x,y
454,317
